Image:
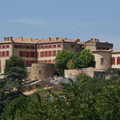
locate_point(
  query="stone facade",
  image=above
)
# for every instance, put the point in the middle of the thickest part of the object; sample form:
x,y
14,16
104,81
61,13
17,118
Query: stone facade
x,y
40,71
45,50
102,58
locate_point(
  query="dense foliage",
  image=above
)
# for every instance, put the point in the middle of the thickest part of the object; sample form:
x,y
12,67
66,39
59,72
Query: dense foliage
x,y
62,58
68,60
83,59
86,99
11,86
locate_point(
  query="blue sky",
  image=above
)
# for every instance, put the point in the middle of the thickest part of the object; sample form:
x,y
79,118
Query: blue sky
x,y
83,19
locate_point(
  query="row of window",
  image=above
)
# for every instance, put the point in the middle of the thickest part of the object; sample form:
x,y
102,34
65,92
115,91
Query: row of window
x,y
103,48
25,46
4,46
47,61
49,46
113,61
37,54
28,63
47,53
4,53
27,54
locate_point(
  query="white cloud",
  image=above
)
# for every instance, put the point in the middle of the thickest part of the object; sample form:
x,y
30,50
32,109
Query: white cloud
x,y
29,21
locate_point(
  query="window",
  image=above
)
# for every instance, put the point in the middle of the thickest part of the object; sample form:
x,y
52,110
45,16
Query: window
x,y
7,53
7,46
3,46
33,47
49,53
113,61
118,60
33,54
22,54
22,46
49,46
28,47
27,54
45,53
54,46
16,46
45,46
99,75
72,45
59,45
3,54
102,61
54,53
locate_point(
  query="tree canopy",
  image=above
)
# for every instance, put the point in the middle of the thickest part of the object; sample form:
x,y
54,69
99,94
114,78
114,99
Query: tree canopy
x,y
11,86
62,58
83,59
14,61
77,102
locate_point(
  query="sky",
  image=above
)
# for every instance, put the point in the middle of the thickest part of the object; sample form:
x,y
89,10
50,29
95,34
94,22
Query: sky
x,y
72,19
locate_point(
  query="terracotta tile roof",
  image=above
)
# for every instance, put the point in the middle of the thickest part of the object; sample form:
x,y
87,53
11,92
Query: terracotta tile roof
x,y
25,40
5,42
36,41
81,43
54,40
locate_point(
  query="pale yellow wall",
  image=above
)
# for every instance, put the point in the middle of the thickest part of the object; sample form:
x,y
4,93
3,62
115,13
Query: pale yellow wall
x,y
16,51
3,59
107,59
48,49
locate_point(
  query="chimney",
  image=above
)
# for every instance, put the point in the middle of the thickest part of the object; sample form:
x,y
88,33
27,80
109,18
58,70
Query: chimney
x,y
91,39
41,38
56,38
4,38
65,38
78,40
10,38
21,38
49,38
7,39
94,39
30,39
97,40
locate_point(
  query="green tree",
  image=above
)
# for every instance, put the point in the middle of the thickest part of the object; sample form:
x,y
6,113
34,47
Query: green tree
x,y
11,85
62,58
14,61
83,59
108,102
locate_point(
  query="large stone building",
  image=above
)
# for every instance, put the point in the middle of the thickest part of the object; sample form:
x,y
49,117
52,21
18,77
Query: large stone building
x,y
36,51
45,51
